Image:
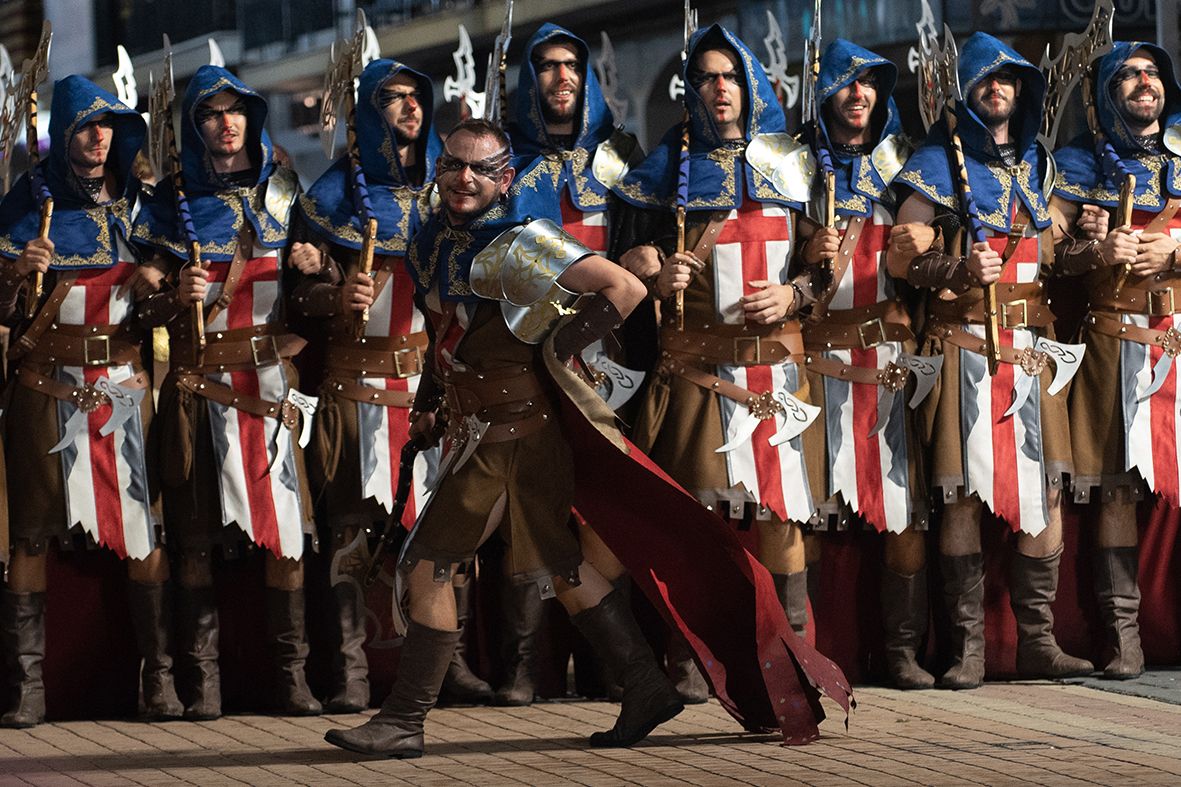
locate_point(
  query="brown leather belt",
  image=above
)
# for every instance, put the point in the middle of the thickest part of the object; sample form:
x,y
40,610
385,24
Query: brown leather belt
x,y
84,397
1018,306
239,349
497,397
862,328
85,345
1158,301
378,356
1111,325
226,396
762,405
358,392
891,375
1033,361
736,345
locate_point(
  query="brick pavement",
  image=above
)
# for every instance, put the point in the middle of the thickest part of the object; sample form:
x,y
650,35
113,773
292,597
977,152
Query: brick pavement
x,y
1004,733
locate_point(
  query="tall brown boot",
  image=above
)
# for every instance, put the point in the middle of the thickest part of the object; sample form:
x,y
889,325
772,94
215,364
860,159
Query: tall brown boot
x,y
649,699
523,608
963,594
350,666
1118,591
151,614
287,637
793,595
461,686
396,729
1033,584
690,684
199,641
22,626
904,617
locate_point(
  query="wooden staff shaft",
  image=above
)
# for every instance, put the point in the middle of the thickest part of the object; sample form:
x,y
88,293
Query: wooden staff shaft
x,y
1123,218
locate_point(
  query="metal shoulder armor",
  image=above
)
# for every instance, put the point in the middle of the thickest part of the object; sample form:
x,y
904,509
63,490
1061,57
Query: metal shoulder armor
x,y
282,189
610,163
890,155
785,162
520,268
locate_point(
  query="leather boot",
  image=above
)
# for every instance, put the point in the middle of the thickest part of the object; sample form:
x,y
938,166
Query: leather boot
x,y
350,666
151,614
198,615
963,595
287,637
649,699
690,684
904,616
460,685
793,595
22,626
1118,592
396,729
523,608
1033,584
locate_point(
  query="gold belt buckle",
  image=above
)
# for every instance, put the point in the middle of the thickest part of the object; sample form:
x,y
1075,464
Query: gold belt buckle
x,y
102,356
1009,325
264,350
866,330
414,368
1160,302
738,344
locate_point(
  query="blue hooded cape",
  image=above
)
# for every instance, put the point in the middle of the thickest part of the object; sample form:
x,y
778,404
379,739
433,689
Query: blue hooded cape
x,y
863,180
219,211
544,170
1085,176
398,204
719,176
994,185
82,231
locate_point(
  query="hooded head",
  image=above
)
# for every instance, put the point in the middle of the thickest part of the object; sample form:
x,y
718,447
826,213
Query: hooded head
x,y
592,120
839,67
377,140
1106,103
206,83
76,102
980,56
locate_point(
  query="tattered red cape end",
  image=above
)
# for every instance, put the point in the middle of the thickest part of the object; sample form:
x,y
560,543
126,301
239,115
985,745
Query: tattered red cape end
x,y
689,563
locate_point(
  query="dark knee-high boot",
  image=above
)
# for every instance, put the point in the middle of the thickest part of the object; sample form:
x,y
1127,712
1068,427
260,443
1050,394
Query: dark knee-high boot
x,y
1118,592
1033,585
690,684
904,617
396,729
461,686
963,594
151,615
199,646
22,626
649,699
523,609
793,595
350,666
287,638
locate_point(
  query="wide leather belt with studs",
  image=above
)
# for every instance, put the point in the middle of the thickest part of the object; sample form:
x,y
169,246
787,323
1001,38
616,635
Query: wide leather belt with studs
x,y
510,399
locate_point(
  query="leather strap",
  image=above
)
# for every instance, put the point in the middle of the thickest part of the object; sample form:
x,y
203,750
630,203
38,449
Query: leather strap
x,y
839,264
1160,221
358,392
1018,306
1111,325
709,238
892,375
45,317
709,382
240,348
956,335
85,397
227,397
496,397
1154,299
1016,232
378,356
84,345
736,346
861,328
234,274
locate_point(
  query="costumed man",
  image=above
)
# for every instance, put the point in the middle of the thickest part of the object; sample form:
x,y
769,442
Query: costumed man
x,y
727,403
372,371
228,454
998,440
529,440
568,154
79,405
859,344
1124,404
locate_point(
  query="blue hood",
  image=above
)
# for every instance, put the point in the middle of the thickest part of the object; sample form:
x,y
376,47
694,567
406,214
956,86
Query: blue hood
x,y
83,232
398,204
928,171
718,176
858,181
1087,174
218,210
